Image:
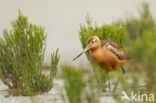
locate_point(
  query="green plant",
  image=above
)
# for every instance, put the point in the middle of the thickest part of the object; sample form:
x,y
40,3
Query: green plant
x,y
74,83
78,87
142,48
21,57
104,32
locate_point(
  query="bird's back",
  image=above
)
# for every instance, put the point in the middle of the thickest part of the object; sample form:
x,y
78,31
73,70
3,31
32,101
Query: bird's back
x,y
114,48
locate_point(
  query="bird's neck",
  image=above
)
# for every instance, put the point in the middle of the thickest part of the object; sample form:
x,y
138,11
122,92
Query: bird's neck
x,y
96,48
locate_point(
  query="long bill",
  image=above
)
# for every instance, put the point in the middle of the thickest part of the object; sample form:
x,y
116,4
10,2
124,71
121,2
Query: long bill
x,y
85,50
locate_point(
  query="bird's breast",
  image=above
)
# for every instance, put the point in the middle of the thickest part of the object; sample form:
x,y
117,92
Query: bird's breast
x,y
105,58
98,55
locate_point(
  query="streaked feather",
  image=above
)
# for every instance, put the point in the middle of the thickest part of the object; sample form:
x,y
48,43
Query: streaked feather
x,y
115,48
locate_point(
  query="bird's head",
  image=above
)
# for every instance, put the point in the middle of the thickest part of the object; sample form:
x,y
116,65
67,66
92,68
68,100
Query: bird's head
x,y
93,43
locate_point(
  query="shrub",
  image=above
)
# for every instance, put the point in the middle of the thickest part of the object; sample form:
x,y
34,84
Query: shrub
x,y
21,57
104,32
74,83
78,87
142,48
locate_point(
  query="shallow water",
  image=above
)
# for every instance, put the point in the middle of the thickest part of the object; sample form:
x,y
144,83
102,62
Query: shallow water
x,y
53,96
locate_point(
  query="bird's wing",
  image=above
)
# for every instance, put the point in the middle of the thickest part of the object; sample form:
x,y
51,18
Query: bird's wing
x,y
115,48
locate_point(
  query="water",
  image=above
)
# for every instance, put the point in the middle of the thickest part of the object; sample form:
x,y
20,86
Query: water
x,y
53,96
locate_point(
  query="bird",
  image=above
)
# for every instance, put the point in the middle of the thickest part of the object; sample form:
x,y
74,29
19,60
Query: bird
x,y
108,54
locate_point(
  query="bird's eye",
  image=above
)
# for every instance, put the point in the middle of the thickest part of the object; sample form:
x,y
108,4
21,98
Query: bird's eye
x,y
92,42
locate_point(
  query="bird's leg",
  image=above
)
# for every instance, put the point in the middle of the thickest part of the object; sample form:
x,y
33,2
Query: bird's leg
x,y
116,84
123,70
109,82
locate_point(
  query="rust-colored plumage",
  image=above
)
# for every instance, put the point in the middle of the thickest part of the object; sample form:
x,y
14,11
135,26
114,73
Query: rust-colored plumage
x,y
109,55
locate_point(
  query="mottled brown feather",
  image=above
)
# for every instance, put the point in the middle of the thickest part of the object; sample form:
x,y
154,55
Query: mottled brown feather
x,y
115,48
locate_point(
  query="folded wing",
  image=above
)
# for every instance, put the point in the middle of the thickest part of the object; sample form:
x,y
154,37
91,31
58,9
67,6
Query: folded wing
x,y
115,48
